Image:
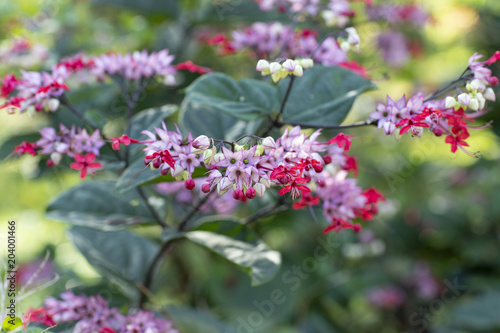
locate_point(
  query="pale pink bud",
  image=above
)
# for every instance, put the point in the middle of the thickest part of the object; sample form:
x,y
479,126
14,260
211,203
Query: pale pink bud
x,y
202,142
298,71
53,105
289,65
269,143
474,104
259,189
56,158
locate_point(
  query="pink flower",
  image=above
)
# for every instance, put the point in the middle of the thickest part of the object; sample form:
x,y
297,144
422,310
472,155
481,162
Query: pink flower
x,y
25,148
85,164
125,139
39,315
190,66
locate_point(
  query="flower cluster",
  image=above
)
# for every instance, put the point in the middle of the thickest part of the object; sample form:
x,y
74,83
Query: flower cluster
x,y
93,314
398,14
71,142
280,71
449,116
22,53
299,164
335,13
136,65
37,91
267,40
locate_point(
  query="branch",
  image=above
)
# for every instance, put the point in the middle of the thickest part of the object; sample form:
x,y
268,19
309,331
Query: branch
x,y
449,86
278,207
282,108
190,214
358,124
151,208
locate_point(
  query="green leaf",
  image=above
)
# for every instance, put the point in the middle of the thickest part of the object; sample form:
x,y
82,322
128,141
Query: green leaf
x,y
149,119
191,320
121,256
246,100
324,95
237,244
94,204
10,324
478,314
148,7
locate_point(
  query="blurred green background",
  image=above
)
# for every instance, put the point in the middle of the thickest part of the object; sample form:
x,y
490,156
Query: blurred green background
x,y
440,224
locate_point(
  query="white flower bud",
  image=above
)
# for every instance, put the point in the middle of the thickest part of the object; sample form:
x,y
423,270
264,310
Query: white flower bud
x,y
449,102
53,104
262,65
345,46
306,63
274,67
489,95
265,182
269,143
260,189
289,65
474,84
56,158
298,71
474,104
481,100
464,99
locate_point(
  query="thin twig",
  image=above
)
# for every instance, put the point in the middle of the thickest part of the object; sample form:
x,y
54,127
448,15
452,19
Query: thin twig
x,y
190,214
358,124
278,207
282,108
151,208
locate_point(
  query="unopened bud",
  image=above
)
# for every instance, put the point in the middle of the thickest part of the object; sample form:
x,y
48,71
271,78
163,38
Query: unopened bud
x,y
298,71
56,158
250,193
189,184
289,65
269,143
274,67
205,188
474,104
202,142
489,95
259,189
450,102
464,99
474,84
262,65
53,104
306,63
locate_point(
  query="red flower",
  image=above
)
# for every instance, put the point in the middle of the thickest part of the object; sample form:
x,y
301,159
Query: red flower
x,y
125,139
39,315
106,330
494,58
306,200
410,123
9,84
13,102
341,140
190,66
355,67
458,139
158,157
55,84
308,164
85,164
372,197
351,164
339,224
25,148
224,42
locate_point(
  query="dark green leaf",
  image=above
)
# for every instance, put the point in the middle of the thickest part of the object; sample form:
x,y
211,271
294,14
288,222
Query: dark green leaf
x,y
191,320
121,256
149,119
150,7
93,204
324,95
238,245
477,314
246,100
